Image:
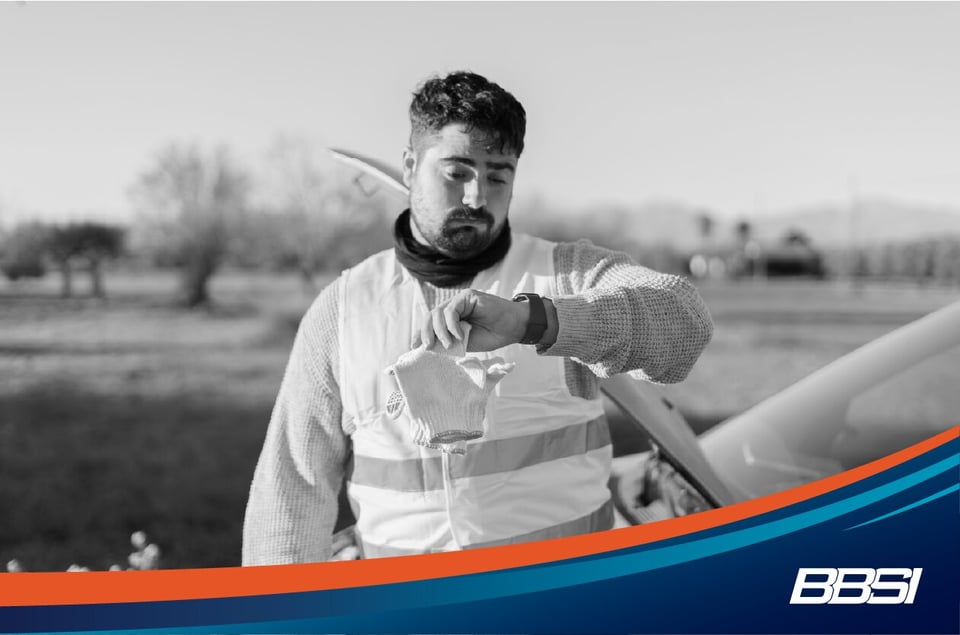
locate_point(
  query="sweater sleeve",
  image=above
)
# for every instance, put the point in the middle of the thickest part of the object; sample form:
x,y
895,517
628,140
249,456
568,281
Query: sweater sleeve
x,y
617,316
292,506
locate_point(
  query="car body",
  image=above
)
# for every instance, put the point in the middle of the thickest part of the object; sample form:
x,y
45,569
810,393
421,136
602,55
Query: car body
x,y
835,419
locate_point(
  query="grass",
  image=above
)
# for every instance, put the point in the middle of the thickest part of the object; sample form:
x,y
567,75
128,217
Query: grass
x,y
82,471
137,415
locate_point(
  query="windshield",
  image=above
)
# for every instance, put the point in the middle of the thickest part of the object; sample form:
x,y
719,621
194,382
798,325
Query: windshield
x,y
876,401
914,405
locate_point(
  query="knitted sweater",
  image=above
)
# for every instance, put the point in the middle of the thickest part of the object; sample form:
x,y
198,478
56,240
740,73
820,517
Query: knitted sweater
x,y
614,316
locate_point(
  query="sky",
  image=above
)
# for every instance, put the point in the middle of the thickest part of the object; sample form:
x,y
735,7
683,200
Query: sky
x,y
741,108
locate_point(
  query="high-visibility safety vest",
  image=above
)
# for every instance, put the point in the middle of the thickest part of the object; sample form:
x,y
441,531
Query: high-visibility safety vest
x,y
540,470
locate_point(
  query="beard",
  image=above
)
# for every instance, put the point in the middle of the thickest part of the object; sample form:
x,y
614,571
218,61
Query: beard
x,y
461,233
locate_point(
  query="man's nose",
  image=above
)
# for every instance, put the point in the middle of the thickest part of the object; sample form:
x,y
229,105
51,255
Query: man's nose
x,y
474,194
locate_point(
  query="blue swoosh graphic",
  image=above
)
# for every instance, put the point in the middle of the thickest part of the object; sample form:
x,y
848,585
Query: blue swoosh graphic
x,y
924,501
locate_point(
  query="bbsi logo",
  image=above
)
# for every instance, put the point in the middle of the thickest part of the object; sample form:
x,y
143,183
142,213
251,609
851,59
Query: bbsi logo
x,y
856,586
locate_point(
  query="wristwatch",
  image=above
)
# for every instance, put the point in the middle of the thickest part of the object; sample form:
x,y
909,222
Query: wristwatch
x,y
537,324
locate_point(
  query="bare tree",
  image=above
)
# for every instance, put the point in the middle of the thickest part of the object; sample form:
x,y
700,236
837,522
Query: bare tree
x,y
301,195
322,219
193,202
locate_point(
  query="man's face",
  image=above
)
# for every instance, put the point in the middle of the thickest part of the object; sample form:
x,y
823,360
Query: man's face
x,y
460,190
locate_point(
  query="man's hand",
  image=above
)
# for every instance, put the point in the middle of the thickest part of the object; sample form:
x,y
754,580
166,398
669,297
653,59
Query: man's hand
x,y
496,322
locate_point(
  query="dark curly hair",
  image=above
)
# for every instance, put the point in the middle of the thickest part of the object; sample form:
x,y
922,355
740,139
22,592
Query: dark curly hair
x,y
470,99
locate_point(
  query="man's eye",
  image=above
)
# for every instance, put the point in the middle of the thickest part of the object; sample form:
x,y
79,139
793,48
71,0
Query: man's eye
x,y
456,175
498,180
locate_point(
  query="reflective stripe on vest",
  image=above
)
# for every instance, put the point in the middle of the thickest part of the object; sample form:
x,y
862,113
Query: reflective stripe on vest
x,y
492,507
482,458
598,520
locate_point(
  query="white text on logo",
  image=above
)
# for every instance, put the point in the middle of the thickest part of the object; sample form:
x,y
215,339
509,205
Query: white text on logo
x,y
856,585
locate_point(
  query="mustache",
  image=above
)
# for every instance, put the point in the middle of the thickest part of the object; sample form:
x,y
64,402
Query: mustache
x,y
474,215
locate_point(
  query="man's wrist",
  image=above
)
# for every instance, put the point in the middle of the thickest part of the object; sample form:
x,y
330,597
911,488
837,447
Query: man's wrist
x,y
553,326
536,322
540,324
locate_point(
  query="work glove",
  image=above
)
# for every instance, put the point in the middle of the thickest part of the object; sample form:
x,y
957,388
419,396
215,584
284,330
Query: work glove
x,y
444,393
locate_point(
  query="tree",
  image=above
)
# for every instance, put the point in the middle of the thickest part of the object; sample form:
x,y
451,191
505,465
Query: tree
x,y
744,231
705,226
302,200
321,221
60,247
22,251
91,242
99,242
193,203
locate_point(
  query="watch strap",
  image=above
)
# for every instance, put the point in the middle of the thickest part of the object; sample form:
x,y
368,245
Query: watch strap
x,y
537,324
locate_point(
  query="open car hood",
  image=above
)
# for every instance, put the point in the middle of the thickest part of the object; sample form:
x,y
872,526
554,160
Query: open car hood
x,y
647,409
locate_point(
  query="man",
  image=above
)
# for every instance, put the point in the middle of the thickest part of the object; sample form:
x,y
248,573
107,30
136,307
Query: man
x,y
541,467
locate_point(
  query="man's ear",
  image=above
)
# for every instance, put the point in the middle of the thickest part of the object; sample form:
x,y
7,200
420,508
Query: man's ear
x,y
409,166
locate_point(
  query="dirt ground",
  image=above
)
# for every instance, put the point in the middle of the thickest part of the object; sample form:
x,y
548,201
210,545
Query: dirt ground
x,y
133,414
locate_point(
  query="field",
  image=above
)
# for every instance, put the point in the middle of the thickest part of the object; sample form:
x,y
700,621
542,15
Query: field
x,y
133,414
